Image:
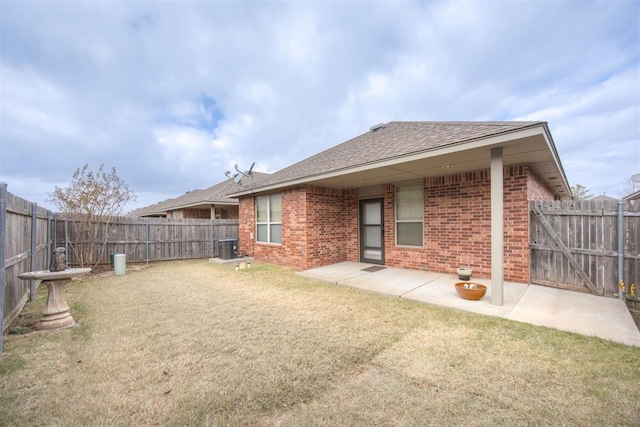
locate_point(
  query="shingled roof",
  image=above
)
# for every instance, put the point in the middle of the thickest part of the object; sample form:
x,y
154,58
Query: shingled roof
x,y
214,195
157,209
396,141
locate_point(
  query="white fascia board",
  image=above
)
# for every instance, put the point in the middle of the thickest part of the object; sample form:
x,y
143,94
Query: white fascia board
x,y
174,208
556,158
454,148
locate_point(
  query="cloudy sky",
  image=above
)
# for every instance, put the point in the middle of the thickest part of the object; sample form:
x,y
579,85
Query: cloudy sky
x,y
173,94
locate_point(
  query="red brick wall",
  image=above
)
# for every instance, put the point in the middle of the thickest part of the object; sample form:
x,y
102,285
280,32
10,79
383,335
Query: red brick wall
x,y
232,212
516,225
457,225
320,225
287,253
246,225
196,213
192,213
538,190
291,252
332,218
403,257
226,212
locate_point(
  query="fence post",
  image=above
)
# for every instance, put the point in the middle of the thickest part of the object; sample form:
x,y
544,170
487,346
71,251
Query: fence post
x,y
213,238
55,234
66,238
34,231
3,236
146,240
620,247
48,239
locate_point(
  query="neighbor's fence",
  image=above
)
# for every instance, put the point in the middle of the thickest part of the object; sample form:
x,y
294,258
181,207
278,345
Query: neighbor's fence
x,y
148,239
28,233
577,244
25,231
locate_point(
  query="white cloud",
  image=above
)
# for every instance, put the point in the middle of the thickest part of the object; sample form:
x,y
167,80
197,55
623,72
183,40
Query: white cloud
x,y
174,94
596,129
38,106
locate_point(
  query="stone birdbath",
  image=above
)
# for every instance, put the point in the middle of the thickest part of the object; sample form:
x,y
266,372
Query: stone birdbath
x,y
56,313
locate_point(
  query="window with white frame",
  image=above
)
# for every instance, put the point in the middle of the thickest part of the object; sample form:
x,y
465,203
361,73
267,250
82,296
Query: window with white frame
x,y
409,215
269,218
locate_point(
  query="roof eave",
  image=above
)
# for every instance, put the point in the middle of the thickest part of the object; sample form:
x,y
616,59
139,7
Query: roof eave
x,y
536,129
201,203
556,158
633,196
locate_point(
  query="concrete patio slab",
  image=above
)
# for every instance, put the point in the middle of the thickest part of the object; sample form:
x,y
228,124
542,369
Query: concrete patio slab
x,y
336,273
442,292
566,310
220,261
572,311
391,281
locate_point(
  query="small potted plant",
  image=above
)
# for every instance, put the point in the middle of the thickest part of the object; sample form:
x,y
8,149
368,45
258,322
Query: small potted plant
x,y
464,273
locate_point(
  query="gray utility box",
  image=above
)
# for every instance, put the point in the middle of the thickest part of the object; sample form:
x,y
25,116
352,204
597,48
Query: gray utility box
x,y
227,248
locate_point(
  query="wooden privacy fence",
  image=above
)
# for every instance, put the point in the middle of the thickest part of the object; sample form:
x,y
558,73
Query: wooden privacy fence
x,y
149,239
575,244
25,230
28,234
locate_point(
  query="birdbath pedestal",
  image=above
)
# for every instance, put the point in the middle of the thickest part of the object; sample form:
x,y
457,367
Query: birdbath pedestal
x,y
56,311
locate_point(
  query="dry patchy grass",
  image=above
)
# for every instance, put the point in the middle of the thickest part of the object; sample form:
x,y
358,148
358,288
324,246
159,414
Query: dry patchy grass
x,y
192,343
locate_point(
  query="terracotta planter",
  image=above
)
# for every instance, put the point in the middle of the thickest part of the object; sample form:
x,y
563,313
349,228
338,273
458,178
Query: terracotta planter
x,y
475,291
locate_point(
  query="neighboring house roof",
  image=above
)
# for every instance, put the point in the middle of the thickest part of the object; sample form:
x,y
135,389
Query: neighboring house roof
x,y
214,195
153,210
407,150
633,196
603,198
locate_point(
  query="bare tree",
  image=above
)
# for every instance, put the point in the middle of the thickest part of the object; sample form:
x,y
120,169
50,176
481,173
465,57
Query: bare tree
x,y
90,202
627,187
580,192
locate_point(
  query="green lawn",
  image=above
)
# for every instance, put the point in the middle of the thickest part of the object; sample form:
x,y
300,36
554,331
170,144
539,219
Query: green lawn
x,y
192,343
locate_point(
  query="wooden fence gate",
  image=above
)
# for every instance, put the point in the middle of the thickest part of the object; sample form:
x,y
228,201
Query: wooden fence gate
x,y
574,245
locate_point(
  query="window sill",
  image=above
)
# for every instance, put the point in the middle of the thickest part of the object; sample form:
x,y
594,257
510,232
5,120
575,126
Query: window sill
x,y
268,244
409,247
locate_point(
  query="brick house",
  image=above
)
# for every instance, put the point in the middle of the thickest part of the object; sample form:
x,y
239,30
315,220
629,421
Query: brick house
x,y
417,195
633,196
210,203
